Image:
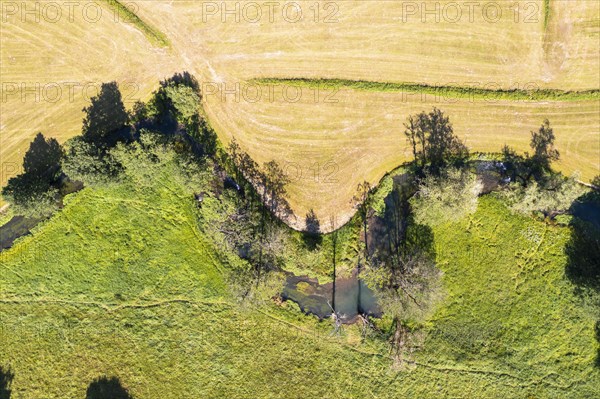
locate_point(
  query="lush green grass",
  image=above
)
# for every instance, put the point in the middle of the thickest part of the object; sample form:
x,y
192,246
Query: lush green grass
x,y
510,303
445,91
122,282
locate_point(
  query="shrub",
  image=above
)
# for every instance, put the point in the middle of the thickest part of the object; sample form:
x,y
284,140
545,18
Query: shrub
x,y
448,197
551,199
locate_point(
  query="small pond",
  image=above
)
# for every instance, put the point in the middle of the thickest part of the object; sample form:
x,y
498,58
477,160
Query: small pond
x,y
352,297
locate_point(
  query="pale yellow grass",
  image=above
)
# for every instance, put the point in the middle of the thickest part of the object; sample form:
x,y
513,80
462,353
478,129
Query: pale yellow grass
x,y
69,61
360,136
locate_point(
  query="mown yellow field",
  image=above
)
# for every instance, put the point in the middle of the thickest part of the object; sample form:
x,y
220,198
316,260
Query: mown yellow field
x,y
331,142
49,70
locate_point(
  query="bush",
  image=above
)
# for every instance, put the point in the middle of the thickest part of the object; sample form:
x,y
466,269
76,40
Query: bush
x,y
86,163
448,197
551,199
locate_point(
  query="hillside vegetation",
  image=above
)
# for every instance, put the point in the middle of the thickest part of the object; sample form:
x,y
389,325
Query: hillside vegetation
x,y
124,282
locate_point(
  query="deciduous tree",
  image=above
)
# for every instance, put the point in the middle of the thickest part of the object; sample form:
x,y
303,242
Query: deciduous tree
x,y
105,115
433,142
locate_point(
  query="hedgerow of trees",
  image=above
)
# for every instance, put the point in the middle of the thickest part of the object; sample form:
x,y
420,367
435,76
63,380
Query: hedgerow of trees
x,y
403,270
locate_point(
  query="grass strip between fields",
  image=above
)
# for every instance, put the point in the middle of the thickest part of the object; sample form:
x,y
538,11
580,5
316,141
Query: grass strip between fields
x,y
546,13
154,35
446,91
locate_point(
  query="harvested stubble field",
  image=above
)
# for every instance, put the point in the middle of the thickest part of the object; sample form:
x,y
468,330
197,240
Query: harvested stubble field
x,y
347,134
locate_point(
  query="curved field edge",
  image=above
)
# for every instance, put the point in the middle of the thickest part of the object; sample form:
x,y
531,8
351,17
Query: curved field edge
x,y
154,35
443,91
122,282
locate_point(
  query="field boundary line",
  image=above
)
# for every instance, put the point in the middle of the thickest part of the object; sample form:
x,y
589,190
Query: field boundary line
x,y
465,92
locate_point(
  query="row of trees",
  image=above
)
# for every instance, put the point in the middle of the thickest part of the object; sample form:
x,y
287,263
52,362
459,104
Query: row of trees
x,y
173,113
262,202
172,110
402,266
46,163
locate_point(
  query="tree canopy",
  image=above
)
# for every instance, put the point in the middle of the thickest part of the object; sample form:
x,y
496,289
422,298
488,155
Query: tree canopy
x,y
41,170
105,115
433,142
43,158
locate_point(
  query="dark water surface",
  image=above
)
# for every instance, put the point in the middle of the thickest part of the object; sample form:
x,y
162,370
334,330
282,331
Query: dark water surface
x,y
17,227
587,211
317,299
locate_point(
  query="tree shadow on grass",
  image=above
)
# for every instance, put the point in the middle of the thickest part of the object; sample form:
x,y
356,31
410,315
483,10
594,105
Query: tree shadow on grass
x,y
107,388
583,253
6,377
312,236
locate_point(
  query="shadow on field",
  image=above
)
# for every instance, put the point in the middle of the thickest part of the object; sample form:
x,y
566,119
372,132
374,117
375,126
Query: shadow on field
x,y
583,252
6,377
107,388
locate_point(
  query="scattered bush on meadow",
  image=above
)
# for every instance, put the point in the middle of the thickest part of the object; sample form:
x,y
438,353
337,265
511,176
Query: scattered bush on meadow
x,y
448,197
553,197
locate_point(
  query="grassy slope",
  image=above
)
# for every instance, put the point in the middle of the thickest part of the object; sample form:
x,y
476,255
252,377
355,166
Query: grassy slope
x,y
121,282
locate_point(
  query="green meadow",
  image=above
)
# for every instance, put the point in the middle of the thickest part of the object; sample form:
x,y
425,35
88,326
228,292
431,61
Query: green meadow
x,y
125,282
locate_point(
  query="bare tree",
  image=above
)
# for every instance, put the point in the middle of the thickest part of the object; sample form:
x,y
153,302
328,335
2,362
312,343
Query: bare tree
x,y
362,203
433,141
403,268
